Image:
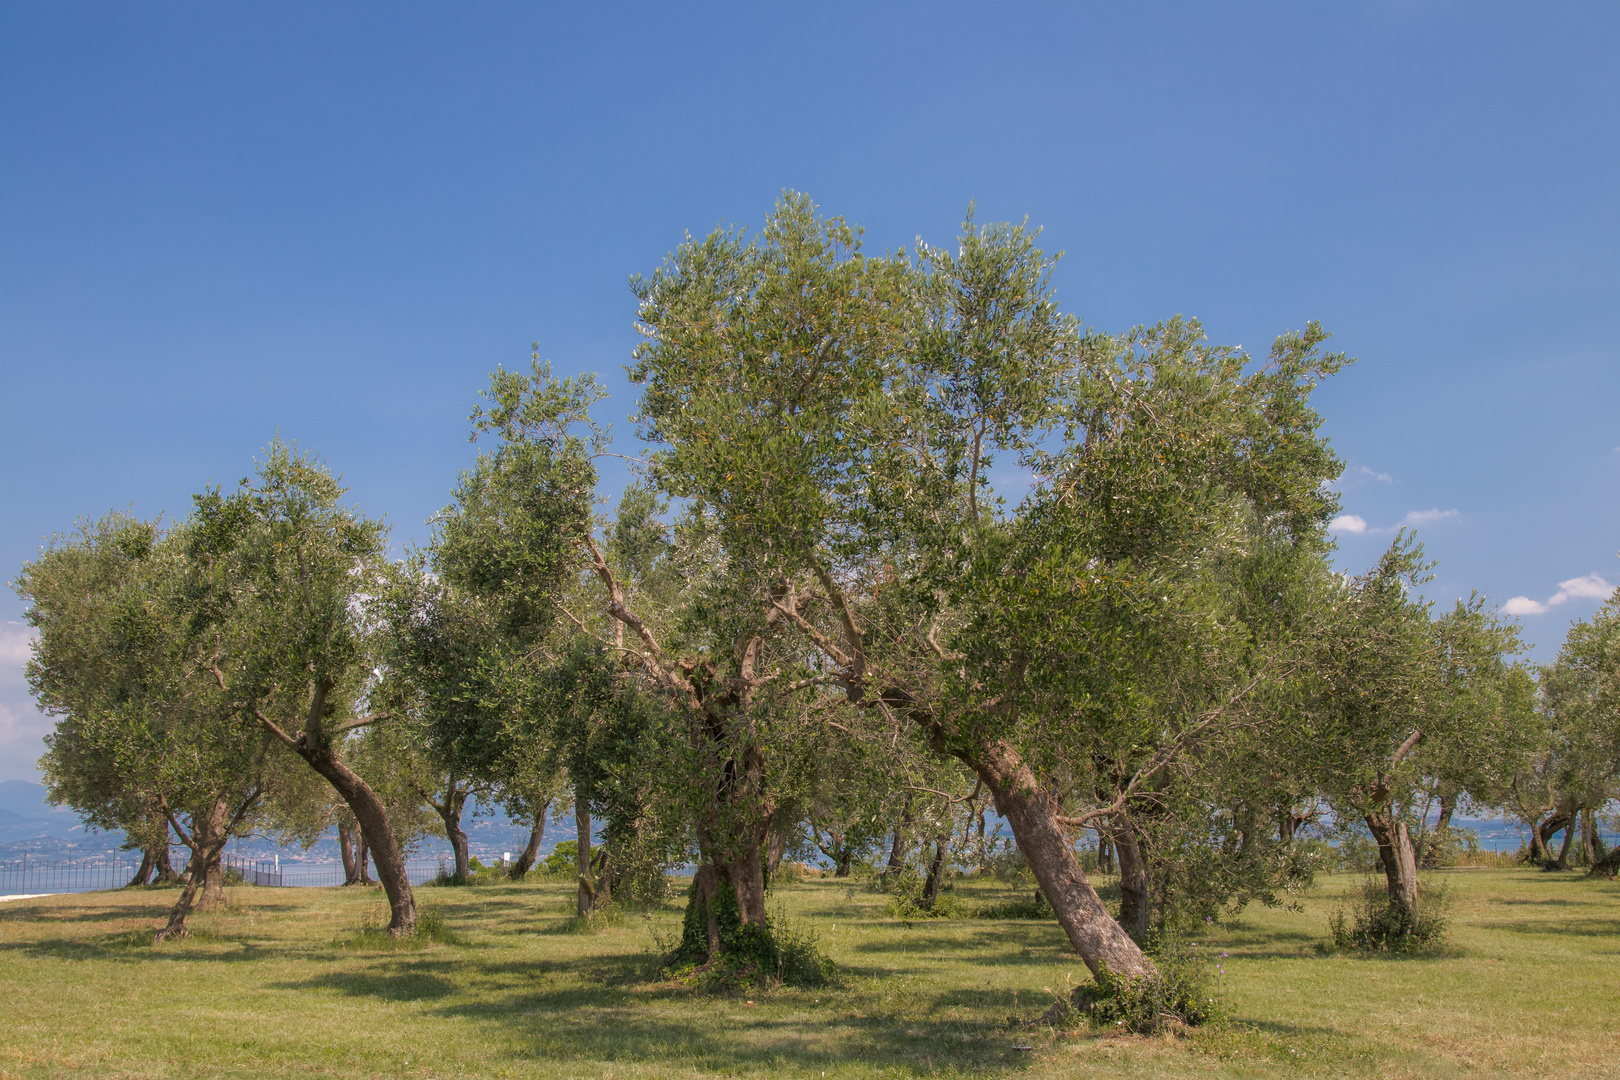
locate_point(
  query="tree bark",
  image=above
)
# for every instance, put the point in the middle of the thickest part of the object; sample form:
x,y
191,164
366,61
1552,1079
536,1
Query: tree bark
x,y
1397,857
143,873
526,859
165,868
351,869
1437,839
449,812
936,871
775,849
362,860
1032,814
210,829
1135,896
582,827
1562,862
378,835
897,849
1591,843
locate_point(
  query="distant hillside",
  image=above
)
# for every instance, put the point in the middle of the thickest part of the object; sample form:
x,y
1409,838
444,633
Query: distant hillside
x,y
27,821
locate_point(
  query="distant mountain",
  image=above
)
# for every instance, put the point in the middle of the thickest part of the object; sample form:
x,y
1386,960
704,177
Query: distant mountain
x,y
28,800
28,822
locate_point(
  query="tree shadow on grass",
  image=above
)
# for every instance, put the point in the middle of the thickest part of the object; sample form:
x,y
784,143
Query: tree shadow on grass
x,y
1595,928
78,914
604,1008
417,981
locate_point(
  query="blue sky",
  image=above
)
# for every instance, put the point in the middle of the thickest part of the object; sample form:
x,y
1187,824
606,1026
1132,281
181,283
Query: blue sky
x,y
222,221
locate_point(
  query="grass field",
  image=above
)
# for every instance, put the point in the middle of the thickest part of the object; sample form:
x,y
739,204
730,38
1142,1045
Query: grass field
x,y
286,982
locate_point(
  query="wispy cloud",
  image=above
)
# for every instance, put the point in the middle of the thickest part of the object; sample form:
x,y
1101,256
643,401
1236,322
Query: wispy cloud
x,y
14,652
1590,587
1428,517
1357,525
1358,475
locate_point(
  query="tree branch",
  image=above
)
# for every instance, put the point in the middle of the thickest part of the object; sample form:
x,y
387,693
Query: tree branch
x,y
271,726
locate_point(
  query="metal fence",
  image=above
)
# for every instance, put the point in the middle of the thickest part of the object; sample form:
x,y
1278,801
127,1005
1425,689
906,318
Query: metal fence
x,y
30,875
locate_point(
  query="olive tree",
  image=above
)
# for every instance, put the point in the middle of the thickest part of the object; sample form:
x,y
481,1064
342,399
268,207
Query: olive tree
x,y
143,727
284,575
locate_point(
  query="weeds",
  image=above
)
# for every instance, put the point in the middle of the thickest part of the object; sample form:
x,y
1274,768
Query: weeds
x,y
1179,994
1372,922
372,933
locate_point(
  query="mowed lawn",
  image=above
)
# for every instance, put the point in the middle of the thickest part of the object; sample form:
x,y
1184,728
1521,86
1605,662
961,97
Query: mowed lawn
x,y
285,984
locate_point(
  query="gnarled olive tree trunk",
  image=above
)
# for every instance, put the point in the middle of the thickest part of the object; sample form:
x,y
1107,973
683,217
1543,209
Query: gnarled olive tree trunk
x,y
211,827
1396,855
378,835
1134,890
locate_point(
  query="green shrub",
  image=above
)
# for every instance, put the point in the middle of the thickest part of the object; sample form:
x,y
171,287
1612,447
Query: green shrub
x,y
1372,922
1181,993
563,860
1006,863
907,900
750,954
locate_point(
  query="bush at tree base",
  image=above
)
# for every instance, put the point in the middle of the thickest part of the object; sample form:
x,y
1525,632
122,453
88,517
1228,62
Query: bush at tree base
x,y
1375,923
749,955
1180,994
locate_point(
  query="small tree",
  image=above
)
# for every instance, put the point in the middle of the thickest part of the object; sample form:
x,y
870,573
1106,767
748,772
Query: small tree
x,y
283,575
143,727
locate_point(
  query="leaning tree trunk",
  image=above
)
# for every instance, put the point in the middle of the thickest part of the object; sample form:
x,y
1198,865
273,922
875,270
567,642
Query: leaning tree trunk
x,y
1135,895
1396,855
378,835
526,858
1033,815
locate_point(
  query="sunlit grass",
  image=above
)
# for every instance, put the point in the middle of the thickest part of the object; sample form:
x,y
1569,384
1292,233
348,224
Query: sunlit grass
x,y
300,981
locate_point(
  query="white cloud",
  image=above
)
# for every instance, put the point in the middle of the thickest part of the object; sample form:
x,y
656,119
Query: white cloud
x,y
1428,517
1356,524
1381,477
14,652
1590,587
